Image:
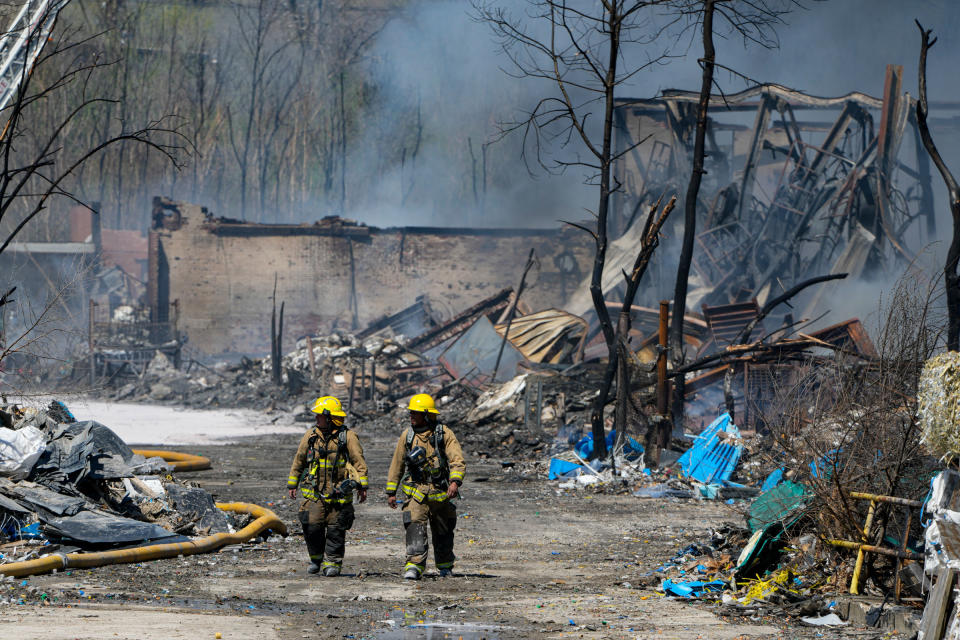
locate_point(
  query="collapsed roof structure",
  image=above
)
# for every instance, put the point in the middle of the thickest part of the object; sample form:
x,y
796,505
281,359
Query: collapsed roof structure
x,y
812,186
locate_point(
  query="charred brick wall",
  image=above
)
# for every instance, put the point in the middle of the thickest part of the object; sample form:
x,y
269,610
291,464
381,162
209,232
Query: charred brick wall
x,y
224,281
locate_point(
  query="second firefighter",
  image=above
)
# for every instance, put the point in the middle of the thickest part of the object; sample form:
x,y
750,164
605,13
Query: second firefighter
x,y
428,468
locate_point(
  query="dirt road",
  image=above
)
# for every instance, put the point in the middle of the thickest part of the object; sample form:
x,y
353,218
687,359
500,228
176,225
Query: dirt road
x,y
532,562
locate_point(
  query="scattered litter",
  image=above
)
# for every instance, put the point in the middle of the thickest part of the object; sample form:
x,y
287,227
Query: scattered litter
x,y
829,620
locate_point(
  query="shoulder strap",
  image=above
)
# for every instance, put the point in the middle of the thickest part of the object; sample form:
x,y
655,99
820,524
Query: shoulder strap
x,y
438,444
311,443
409,438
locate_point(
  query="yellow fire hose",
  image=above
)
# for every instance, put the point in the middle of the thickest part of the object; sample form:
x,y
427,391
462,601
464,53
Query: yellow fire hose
x,y
266,519
179,461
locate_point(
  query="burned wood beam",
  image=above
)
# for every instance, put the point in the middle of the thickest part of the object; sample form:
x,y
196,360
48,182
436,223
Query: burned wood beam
x,y
531,261
461,322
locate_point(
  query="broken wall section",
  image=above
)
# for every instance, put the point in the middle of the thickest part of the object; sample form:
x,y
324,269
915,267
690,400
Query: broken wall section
x,y
337,274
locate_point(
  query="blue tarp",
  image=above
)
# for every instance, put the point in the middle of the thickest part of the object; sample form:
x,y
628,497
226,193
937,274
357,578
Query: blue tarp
x,y
775,478
559,468
631,448
712,460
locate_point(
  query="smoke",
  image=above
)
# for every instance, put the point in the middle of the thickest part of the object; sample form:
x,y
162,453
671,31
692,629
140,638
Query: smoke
x,y
438,66
437,55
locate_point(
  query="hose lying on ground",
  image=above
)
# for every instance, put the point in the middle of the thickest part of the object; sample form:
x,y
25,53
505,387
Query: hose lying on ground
x,y
179,461
265,520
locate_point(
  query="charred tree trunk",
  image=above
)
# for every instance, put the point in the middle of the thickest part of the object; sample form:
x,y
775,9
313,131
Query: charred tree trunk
x,y
596,281
276,338
690,210
648,244
951,278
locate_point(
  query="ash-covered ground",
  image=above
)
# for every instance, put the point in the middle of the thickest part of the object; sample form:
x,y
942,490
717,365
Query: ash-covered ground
x,y
533,561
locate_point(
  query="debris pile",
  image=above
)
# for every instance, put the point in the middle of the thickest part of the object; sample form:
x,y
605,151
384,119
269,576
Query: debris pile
x,y
68,486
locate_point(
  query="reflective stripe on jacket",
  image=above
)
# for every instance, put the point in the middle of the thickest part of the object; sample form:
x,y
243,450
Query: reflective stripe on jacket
x,y
432,489
318,470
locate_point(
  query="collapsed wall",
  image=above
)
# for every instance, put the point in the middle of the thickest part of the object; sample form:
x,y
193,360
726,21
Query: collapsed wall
x,y
337,273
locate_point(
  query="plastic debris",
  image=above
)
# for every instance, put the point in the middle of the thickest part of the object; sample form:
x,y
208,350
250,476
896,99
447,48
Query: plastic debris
x,y
693,588
775,478
20,450
829,620
560,468
715,454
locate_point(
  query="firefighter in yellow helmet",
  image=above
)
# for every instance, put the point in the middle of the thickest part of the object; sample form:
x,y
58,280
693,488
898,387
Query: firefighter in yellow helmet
x,y
428,468
320,469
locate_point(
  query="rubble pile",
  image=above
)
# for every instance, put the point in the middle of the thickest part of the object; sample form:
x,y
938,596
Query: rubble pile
x,y
67,486
247,383
519,407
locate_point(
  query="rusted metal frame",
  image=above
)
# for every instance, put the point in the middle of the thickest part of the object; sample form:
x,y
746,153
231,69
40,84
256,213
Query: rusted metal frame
x,y
865,160
663,396
760,125
733,100
863,548
885,135
831,154
886,145
717,262
792,130
714,262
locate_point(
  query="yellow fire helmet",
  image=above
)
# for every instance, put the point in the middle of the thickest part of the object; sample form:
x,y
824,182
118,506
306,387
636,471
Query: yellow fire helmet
x,y
423,402
328,405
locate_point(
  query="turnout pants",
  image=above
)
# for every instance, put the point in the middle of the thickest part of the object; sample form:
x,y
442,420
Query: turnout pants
x,y
442,517
325,527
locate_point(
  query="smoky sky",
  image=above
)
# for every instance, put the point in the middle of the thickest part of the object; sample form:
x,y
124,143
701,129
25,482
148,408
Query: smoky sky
x,y
438,51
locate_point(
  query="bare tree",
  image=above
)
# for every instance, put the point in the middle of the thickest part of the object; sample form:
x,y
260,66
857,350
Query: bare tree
x,y
951,278
254,127
39,161
36,163
754,22
579,49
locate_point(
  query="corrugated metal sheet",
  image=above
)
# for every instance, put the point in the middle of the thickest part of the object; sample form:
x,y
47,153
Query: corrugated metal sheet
x,y
552,336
